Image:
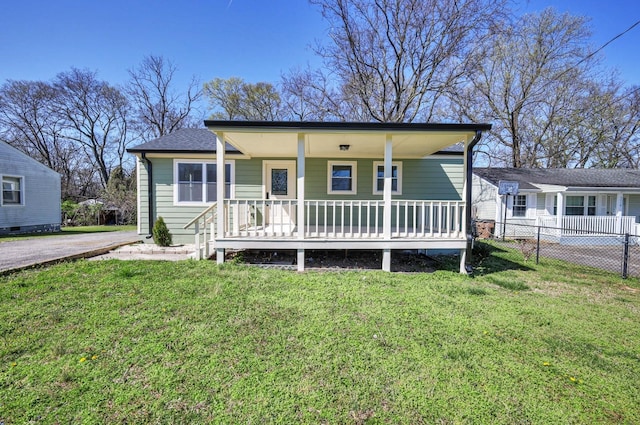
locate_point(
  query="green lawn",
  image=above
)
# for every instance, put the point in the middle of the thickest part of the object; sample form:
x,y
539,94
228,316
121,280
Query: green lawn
x,y
190,342
68,231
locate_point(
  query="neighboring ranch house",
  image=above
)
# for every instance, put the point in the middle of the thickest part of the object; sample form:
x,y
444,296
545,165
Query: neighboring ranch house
x,y
568,203
311,185
30,194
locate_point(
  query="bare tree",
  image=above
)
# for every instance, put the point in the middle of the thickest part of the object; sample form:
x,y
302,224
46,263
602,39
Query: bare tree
x,y
529,82
95,114
158,108
235,99
28,122
307,96
613,123
394,60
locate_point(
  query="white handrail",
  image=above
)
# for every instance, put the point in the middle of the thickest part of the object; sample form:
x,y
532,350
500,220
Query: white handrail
x,y
200,222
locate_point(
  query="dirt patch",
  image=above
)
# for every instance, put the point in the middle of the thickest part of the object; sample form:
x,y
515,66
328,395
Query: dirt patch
x,y
401,261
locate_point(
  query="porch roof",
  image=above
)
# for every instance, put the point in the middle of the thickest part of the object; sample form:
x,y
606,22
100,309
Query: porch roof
x,y
324,139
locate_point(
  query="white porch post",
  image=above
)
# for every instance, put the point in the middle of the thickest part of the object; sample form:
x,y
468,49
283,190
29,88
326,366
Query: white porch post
x,y
300,196
619,211
560,212
499,215
388,179
220,186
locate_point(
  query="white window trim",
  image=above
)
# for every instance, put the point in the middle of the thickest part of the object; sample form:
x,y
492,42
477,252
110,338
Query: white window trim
x,y
585,204
526,206
398,165
354,177
22,190
232,189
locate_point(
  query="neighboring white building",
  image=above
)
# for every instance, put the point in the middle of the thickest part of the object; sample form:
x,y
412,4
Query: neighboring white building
x,y
579,200
30,199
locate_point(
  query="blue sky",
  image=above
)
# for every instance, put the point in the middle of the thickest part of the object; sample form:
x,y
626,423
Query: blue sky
x,y
257,40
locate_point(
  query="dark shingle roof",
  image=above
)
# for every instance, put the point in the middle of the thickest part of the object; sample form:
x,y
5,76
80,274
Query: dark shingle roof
x,y
198,140
457,149
576,177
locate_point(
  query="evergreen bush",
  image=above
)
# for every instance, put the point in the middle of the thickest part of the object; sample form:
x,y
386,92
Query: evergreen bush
x,y
161,234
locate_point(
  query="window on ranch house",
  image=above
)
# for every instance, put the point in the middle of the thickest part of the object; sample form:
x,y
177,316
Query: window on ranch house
x,y
342,178
11,190
396,178
580,205
520,206
197,182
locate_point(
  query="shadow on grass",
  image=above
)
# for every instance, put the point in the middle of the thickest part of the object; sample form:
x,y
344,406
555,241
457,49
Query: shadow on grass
x,y
67,231
488,258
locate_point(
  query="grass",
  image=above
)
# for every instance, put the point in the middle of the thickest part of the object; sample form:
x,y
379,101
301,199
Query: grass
x,y
191,342
68,231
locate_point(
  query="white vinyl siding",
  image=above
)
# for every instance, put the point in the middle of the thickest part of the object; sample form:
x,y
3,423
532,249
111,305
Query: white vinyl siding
x,y
30,198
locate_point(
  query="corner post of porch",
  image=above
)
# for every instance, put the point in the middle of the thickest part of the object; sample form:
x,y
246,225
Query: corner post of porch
x,y
560,212
220,186
300,195
388,179
619,211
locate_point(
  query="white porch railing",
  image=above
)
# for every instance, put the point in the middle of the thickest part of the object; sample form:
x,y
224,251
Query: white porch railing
x,y
333,219
328,219
587,225
203,221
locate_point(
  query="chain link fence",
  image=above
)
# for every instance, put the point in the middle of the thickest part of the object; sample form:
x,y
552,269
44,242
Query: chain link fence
x,y
615,252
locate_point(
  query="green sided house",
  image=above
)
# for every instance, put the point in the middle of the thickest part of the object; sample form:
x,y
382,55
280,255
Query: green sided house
x,y
311,185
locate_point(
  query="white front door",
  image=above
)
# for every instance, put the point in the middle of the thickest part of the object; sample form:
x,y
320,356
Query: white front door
x,y
280,185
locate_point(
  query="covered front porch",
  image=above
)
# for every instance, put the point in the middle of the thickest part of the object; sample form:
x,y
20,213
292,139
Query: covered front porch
x,y
285,218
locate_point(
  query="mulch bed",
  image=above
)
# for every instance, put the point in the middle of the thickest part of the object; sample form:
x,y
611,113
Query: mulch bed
x,y
401,261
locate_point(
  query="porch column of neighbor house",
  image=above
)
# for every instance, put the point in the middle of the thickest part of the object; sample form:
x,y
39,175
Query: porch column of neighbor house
x,y
619,211
300,195
388,180
499,215
220,186
559,210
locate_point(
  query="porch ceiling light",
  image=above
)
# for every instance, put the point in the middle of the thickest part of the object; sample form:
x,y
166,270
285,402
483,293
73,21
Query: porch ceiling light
x,y
344,147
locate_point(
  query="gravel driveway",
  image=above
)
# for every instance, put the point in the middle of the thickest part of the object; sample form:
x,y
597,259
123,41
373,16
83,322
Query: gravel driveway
x,y
20,254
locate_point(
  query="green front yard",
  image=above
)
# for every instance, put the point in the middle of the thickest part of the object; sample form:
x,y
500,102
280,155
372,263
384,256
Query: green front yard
x,y
190,342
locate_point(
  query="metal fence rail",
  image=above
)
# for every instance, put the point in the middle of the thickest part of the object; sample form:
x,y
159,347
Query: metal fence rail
x,y
615,252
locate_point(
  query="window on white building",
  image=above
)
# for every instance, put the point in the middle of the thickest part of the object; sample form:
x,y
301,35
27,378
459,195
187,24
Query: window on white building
x,y
12,190
520,206
580,205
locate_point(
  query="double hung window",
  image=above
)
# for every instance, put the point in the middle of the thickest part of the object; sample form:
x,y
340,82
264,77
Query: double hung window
x,y
12,190
520,206
396,178
342,177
